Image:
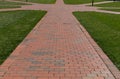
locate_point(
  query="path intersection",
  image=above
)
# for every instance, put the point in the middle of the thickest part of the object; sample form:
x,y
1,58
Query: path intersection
x,y
58,48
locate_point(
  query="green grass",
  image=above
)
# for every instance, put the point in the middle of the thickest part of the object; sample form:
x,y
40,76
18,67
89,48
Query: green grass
x,y
14,26
113,4
4,7
10,3
80,1
115,10
6,4
105,29
41,1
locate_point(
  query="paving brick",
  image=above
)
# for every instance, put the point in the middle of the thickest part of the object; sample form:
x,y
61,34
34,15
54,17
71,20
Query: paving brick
x,y
58,48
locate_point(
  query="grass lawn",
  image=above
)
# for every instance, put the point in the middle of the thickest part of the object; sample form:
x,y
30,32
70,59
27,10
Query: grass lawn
x,y
80,1
10,3
115,10
105,29
41,1
113,4
4,7
6,4
14,26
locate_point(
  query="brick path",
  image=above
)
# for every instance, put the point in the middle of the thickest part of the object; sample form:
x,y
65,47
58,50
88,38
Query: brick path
x,y
58,48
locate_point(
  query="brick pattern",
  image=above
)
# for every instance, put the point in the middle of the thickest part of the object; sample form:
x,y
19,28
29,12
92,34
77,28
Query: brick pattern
x,y
57,48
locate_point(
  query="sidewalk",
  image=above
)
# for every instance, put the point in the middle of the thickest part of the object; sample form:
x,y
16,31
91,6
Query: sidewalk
x,y
57,48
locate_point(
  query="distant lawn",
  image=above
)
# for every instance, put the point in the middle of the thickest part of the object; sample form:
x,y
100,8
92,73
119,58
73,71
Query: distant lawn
x,y
10,3
115,10
41,1
80,1
4,7
7,4
14,26
105,29
113,4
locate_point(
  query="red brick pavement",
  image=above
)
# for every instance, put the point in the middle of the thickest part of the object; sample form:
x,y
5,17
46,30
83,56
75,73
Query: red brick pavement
x,y
58,48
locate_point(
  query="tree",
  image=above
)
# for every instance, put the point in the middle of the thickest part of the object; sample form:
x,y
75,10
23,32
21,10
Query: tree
x,y
92,2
